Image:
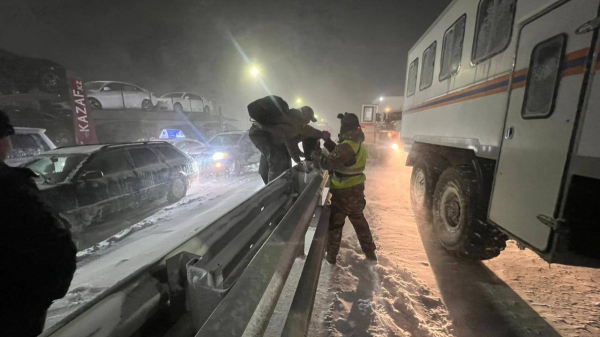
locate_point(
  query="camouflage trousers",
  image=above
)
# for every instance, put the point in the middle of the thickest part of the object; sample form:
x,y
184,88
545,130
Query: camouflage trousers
x,y
275,158
348,202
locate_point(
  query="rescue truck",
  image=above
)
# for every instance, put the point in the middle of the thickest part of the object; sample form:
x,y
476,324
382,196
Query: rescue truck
x,y
501,122
381,123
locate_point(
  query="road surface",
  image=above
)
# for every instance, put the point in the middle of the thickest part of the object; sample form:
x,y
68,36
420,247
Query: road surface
x,y
417,289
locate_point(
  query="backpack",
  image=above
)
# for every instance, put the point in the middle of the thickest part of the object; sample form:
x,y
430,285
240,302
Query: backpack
x,y
269,110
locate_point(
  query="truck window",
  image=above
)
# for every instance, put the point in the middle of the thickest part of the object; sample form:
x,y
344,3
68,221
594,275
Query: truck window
x,y
368,114
452,47
543,77
411,84
493,29
428,65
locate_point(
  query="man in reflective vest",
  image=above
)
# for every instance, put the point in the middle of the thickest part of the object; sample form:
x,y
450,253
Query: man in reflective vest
x,y
347,160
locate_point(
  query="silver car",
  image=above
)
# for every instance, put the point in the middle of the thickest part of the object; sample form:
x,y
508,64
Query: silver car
x,y
184,102
119,95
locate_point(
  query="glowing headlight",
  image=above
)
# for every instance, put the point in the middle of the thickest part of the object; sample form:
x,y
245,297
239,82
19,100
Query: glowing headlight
x,y
395,146
219,155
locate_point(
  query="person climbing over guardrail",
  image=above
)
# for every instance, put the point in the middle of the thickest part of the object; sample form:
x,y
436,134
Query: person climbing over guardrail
x,y
347,160
276,131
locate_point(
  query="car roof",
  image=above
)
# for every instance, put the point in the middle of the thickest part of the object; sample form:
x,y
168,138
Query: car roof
x,y
21,130
88,149
120,82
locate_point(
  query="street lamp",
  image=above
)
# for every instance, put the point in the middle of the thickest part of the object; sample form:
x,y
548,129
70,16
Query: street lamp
x,y
254,71
380,98
298,100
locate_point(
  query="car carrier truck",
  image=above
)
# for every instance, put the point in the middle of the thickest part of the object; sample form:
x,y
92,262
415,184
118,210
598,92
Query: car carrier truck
x,y
501,121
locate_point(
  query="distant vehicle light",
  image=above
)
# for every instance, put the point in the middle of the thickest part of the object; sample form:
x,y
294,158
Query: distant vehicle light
x,y
219,155
395,146
390,134
218,165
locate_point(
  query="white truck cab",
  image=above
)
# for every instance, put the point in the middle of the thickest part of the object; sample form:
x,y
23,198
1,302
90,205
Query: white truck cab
x,y
381,123
502,123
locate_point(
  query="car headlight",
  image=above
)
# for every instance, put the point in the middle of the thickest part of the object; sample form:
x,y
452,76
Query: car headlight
x,y
219,155
395,146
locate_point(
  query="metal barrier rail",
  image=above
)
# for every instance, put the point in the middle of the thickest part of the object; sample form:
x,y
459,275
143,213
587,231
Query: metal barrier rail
x,y
227,279
126,306
247,308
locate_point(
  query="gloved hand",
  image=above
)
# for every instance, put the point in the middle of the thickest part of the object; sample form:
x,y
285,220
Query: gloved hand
x,y
325,135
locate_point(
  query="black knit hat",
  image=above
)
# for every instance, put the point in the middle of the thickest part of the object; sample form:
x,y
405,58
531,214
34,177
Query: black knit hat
x,y
6,129
349,122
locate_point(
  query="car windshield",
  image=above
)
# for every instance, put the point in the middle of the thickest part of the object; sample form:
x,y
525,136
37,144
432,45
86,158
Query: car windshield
x,y
54,168
225,140
93,85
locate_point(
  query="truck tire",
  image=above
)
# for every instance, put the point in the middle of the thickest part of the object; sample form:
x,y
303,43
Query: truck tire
x,y
458,213
422,185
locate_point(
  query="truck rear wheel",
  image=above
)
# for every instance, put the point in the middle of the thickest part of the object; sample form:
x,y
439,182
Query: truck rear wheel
x,y
422,185
458,213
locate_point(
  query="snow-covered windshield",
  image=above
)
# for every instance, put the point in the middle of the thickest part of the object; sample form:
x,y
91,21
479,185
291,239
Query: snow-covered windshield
x,y
55,168
225,140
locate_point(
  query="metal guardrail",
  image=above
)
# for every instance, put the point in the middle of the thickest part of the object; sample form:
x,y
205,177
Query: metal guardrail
x,y
130,302
226,280
247,308
298,320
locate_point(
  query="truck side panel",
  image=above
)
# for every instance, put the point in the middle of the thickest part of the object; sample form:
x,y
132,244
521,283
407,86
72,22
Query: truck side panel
x,y
466,110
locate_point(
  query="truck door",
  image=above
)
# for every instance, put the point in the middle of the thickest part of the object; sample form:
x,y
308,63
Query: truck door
x,y
546,87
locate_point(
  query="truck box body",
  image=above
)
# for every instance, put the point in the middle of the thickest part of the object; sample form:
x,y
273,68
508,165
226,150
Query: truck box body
x,y
514,82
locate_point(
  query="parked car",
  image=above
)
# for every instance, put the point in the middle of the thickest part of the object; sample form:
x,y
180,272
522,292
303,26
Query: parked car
x,y
119,95
27,143
20,74
184,102
228,152
85,184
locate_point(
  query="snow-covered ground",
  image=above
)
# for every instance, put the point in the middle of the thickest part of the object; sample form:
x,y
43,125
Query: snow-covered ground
x,y
139,244
417,289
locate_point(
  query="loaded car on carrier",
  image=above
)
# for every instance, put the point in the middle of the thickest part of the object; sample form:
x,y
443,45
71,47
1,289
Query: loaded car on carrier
x,y
501,120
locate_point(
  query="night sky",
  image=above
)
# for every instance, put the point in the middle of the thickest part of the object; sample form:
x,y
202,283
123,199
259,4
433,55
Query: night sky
x,y
334,54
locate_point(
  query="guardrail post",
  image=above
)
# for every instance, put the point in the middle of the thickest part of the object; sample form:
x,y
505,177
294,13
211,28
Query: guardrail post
x,y
204,292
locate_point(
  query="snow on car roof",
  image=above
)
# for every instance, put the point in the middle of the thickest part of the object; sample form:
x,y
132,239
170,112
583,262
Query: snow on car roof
x,y
77,149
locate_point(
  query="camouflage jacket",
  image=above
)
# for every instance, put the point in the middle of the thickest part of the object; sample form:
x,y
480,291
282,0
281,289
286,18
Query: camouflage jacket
x,y
291,133
342,155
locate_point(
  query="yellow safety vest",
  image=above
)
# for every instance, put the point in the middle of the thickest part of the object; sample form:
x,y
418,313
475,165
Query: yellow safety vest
x,y
352,175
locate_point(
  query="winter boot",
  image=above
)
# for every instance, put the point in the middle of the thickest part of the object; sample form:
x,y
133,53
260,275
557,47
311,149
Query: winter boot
x,y
371,255
330,258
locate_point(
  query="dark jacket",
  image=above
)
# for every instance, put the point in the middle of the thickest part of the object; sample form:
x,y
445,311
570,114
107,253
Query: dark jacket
x,y
37,256
291,130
